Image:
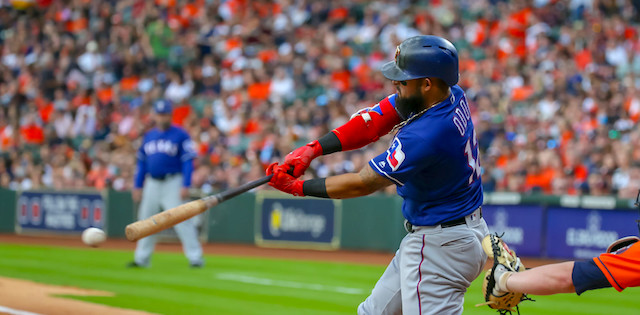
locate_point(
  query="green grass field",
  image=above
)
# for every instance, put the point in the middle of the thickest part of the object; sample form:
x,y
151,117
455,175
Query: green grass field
x,y
234,285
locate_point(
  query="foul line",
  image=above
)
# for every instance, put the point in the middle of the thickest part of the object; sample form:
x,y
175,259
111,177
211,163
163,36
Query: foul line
x,y
15,312
287,284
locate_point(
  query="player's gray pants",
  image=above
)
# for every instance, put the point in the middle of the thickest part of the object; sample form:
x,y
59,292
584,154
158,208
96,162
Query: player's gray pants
x,y
165,194
431,271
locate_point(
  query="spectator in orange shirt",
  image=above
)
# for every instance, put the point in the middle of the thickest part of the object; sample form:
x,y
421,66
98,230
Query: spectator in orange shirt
x,y
31,132
538,179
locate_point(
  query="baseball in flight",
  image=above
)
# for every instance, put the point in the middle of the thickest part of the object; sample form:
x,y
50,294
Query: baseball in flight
x,y
93,236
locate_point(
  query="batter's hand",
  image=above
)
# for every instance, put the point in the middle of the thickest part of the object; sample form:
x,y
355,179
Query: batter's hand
x,y
300,158
283,181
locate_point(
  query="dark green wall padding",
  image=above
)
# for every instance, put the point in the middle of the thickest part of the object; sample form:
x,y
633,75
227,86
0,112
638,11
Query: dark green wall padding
x,y
7,210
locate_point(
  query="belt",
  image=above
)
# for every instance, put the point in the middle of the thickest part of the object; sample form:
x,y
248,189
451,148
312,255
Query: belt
x,y
443,225
162,177
451,223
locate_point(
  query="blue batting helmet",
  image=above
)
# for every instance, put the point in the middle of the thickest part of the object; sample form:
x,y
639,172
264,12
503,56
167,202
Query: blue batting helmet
x,y
424,56
162,107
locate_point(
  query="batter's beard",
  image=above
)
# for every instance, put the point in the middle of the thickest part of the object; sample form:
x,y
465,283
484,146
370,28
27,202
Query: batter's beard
x,y
409,106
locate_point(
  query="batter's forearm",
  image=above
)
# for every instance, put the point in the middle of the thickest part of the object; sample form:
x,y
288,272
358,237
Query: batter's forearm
x,y
345,186
367,126
336,187
348,185
330,143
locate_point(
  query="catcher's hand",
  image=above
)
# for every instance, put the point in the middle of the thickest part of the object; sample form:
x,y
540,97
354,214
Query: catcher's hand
x,y
505,263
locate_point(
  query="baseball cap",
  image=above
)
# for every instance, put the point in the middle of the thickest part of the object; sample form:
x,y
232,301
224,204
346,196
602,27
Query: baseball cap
x,y
162,107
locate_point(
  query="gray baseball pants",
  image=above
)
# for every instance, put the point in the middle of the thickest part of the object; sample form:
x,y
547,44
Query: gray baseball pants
x,y
431,270
165,194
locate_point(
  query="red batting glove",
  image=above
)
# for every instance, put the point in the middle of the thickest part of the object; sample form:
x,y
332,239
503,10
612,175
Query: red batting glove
x,y
300,158
284,182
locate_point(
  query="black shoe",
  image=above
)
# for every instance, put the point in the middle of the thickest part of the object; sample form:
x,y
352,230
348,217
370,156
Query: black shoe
x,y
196,265
134,264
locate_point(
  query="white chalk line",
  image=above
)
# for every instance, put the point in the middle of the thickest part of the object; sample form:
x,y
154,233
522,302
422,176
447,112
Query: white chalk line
x,y
15,312
287,284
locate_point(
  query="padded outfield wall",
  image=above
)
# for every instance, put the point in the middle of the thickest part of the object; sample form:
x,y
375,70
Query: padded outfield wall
x,y
535,226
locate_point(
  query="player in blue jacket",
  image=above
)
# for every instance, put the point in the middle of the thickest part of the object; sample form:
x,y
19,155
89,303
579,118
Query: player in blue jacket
x,y
164,167
433,161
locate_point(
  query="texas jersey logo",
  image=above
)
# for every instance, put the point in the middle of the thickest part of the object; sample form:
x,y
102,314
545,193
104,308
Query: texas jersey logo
x,y
395,155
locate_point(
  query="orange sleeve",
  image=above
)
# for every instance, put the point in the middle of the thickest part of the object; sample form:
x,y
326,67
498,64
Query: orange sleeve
x,y
622,268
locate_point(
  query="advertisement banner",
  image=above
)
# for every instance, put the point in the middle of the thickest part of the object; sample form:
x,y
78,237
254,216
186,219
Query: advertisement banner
x,y
59,211
522,226
585,233
297,222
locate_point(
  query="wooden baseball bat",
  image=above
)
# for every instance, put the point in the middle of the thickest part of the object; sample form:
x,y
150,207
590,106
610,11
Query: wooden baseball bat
x,y
173,216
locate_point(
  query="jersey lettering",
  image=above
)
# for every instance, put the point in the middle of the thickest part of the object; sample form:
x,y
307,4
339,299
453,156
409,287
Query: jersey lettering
x,y
474,162
462,116
395,156
161,146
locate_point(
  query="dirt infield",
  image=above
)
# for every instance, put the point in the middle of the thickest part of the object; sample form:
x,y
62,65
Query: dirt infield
x,y
20,294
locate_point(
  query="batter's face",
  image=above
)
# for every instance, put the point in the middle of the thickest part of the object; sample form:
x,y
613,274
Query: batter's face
x,y
411,96
163,121
413,87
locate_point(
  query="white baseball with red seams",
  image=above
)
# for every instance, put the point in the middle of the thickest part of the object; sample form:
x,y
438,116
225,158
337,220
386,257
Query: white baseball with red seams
x,y
93,236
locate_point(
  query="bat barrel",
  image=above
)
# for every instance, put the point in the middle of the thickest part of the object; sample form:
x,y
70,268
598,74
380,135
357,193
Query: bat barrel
x,y
164,220
171,217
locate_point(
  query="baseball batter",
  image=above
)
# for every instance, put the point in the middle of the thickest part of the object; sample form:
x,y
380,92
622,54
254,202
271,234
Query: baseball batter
x,y
164,166
433,161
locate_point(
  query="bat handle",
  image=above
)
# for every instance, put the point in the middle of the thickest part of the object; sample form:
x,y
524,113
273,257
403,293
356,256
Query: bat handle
x,y
228,194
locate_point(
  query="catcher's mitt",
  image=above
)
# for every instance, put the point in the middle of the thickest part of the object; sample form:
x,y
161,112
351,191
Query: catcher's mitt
x,y
505,262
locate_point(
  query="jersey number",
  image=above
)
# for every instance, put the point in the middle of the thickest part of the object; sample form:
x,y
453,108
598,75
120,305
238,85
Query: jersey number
x,y
474,163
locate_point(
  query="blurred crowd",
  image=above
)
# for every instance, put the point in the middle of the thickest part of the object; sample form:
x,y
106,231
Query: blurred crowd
x,y
553,86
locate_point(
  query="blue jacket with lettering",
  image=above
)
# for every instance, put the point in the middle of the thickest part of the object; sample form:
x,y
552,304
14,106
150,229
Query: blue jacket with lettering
x,y
163,153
